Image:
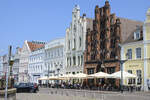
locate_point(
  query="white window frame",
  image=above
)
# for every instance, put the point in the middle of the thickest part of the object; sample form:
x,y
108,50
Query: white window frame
x,y
128,53
136,53
135,35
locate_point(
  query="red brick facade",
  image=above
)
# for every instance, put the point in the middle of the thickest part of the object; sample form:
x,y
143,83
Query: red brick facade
x,y
102,42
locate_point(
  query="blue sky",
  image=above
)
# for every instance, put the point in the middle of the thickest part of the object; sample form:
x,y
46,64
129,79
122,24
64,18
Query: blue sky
x,y
48,19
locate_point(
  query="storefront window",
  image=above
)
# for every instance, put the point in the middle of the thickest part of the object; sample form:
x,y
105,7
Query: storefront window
x,y
139,75
130,80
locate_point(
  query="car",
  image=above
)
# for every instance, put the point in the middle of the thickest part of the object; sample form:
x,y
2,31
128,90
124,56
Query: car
x,y
35,85
25,87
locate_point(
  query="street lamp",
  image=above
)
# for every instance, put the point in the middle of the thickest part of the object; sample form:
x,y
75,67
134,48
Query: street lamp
x,y
121,66
121,69
7,69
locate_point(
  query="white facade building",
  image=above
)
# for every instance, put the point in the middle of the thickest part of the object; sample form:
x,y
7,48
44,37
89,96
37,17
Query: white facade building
x,y
55,57
15,68
24,54
36,65
75,41
27,48
5,64
1,65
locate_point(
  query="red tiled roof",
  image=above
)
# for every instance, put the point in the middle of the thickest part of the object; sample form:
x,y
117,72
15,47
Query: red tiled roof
x,y
33,46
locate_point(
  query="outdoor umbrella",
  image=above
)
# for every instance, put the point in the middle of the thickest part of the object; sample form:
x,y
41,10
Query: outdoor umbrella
x,y
43,78
80,76
124,73
53,78
100,75
67,76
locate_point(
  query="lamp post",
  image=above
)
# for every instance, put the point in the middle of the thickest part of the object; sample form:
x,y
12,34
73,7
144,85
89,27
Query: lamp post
x,y
7,70
121,68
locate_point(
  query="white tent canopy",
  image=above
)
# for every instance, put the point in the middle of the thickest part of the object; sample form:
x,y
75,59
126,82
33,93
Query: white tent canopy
x,y
124,73
80,76
100,75
67,76
43,78
53,78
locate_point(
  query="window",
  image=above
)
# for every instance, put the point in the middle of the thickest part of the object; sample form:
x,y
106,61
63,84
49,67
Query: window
x,y
138,52
69,44
78,60
49,55
129,52
130,71
55,53
110,70
130,80
52,54
58,52
74,60
74,44
62,53
67,61
81,60
90,71
74,28
70,61
80,42
136,35
139,75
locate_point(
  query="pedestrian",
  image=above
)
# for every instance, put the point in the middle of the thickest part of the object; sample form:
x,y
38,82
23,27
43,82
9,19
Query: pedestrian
x,y
131,88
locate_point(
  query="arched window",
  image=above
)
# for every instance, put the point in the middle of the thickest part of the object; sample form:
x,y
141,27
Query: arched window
x,y
81,59
74,43
67,61
70,61
80,44
69,45
74,60
78,60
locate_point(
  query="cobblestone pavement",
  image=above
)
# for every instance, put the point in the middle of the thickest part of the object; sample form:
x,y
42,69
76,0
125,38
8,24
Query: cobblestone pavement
x,y
30,96
66,94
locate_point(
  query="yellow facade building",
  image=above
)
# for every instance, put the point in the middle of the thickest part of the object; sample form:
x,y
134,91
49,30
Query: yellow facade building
x,y
136,49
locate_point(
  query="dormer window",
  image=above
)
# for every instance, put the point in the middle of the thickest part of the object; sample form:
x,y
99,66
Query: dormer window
x,y
136,35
